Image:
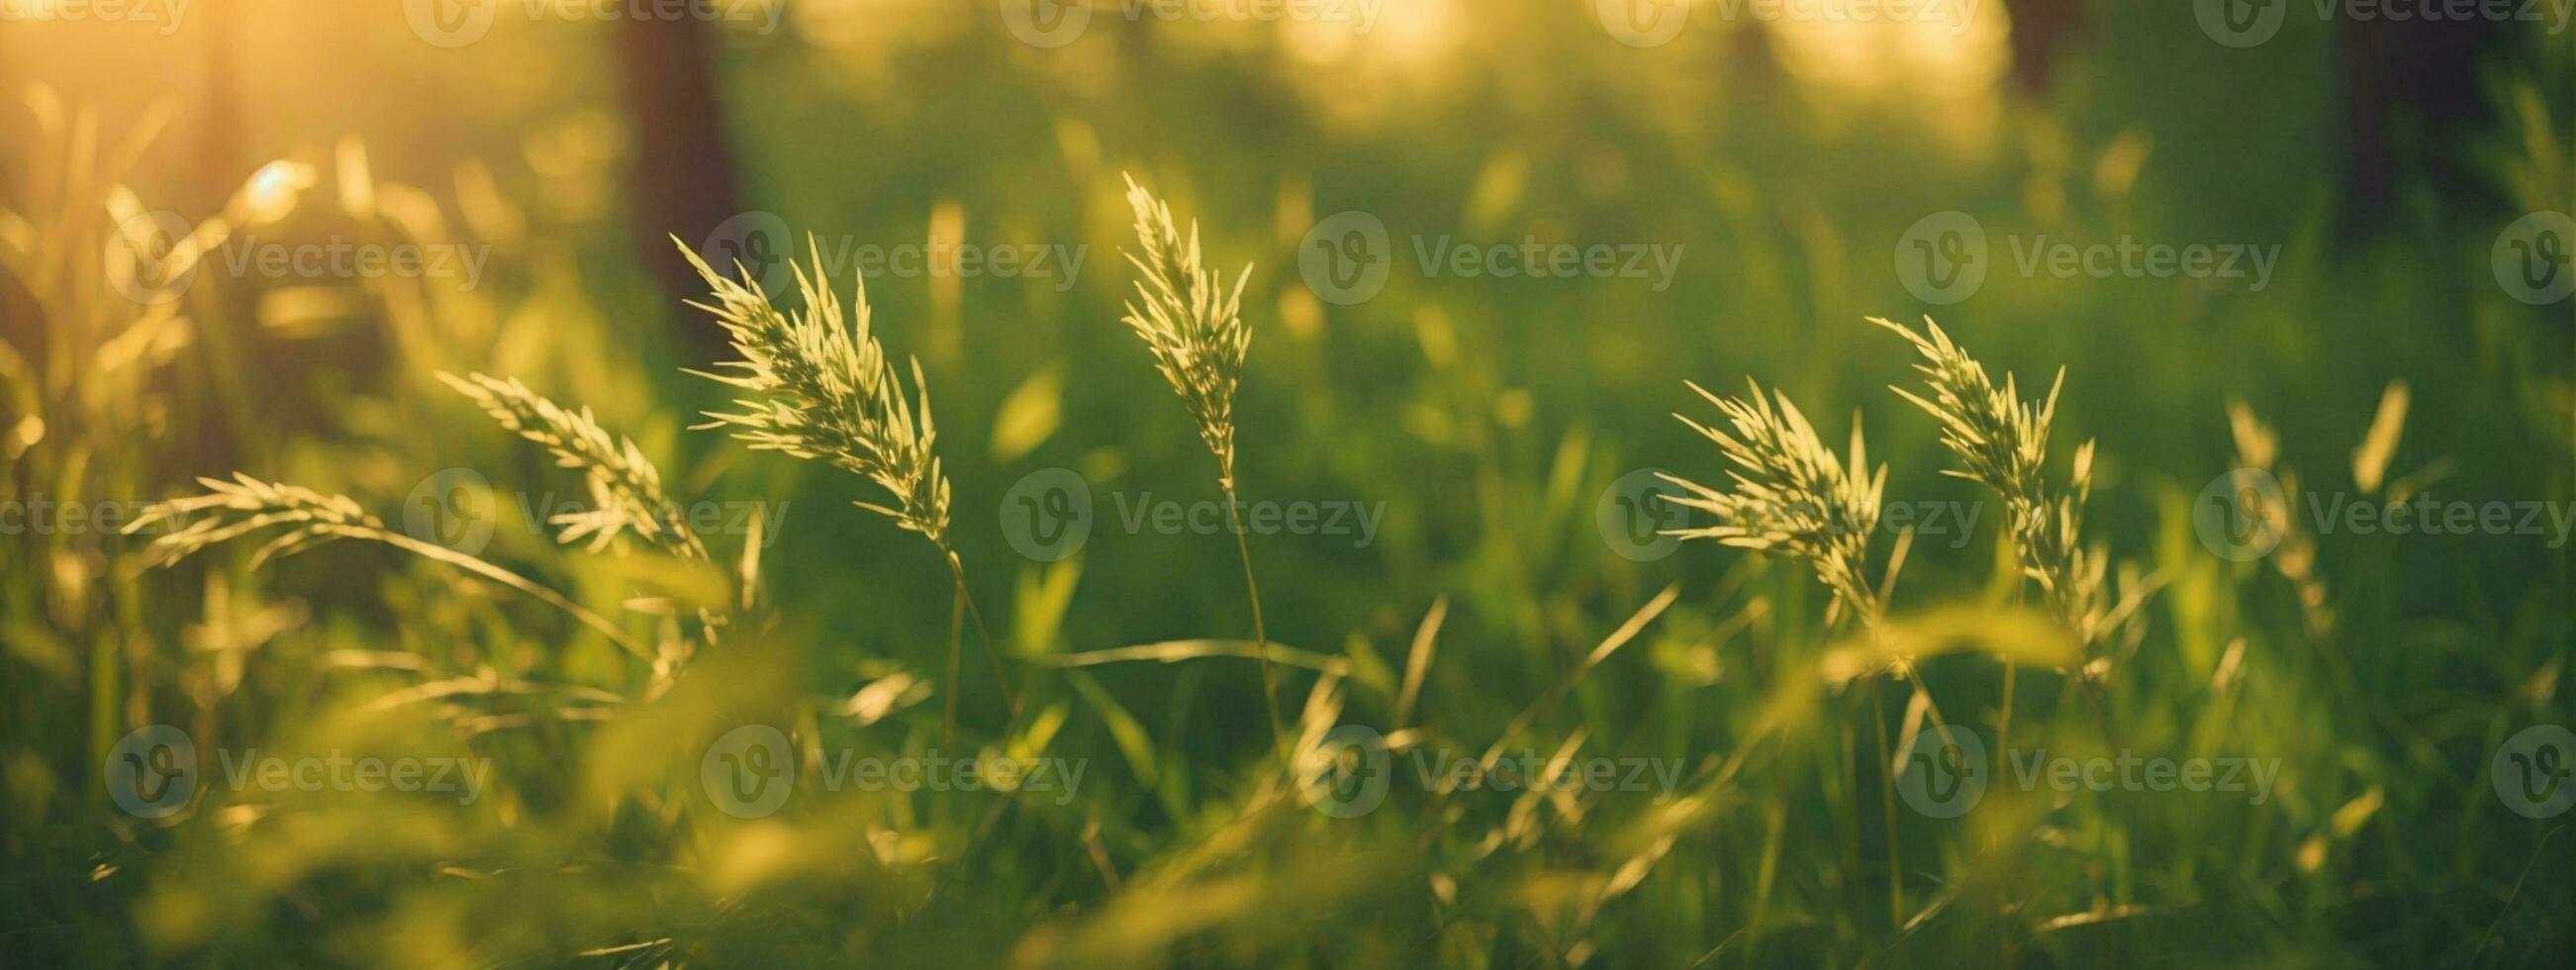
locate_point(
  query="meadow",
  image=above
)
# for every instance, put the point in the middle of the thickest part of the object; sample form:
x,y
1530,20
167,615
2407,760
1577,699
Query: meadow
x,y
1476,486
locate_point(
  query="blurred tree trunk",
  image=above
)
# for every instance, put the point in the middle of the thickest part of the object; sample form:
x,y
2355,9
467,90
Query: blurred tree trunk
x,y
218,163
2408,88
683,180
2039,27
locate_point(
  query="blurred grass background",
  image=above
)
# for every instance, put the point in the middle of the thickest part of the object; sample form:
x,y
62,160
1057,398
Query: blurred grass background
x,y
1784,160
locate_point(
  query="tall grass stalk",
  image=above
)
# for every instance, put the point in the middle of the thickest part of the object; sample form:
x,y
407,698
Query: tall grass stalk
x,y
1795,497
2001,441
1194,326
817,385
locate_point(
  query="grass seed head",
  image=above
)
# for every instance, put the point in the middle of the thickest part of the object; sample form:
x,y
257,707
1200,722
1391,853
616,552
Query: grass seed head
x,y
625,488
1190,321
1792,495
816,384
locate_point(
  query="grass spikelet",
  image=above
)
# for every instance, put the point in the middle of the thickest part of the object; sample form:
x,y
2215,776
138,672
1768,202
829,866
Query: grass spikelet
x,y
1792,495
2001,441
306,518
1190,321
1194,327
818,386
625,488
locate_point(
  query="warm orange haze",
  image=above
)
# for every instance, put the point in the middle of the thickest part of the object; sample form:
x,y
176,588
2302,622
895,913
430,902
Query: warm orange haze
x,y
1314,483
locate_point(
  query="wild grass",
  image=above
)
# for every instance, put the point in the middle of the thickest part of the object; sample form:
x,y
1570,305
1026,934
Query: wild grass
x,y
1484,417
296,519
625,489
1195,329
2001,442
817,385
1792,496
